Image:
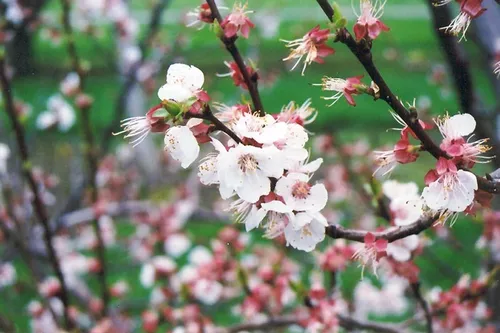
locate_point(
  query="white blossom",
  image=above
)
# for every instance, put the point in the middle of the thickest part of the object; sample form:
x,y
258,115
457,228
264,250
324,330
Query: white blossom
x,y
453,190
4,156
181,143
183,81
59,113
246,171
299,195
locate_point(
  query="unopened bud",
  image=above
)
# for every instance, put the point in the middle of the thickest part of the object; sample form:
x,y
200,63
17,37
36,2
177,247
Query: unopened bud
x,y
84,101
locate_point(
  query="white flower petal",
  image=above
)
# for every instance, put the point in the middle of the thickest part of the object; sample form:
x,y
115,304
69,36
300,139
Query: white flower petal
x,y
276,206
435,196
396,190
316,200
174,92
181,143
305,239
270,161
399,253
296,135
461,124
462,195
189,76
300,220
254,185
254,218
67,118
207,172
45,120
311,166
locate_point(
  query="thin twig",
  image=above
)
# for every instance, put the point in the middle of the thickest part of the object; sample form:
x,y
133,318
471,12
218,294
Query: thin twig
x,y
353,324
362,51
37,200
415,287
391,234
462,77
218,125
90,149
229,43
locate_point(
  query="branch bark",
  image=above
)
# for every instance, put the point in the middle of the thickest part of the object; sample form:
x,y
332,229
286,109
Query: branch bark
x,y
229,43
391,234
283,322
38,204
415,287
90,150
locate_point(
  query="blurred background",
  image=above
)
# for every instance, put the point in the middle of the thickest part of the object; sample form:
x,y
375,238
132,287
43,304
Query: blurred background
x,y
127,63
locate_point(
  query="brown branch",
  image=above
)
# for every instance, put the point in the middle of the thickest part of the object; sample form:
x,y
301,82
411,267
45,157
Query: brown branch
x,y
229,43
381,208
362,51
219,126
90,150
391,234
415,287
282,322
37,200
353,324
265,326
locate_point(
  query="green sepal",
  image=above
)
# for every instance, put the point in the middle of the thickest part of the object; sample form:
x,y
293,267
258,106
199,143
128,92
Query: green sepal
x,y
298,288
342,23
219,32
242,277
173,108
160,113
339,20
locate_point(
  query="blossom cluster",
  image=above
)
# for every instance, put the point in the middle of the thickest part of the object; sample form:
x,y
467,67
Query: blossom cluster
x,y
267,167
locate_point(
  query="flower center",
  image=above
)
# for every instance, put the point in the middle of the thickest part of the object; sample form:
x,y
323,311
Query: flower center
x,y
247,162
301,190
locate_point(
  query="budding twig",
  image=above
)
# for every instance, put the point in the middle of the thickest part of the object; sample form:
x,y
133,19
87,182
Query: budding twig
x,y
392,234
415,287
462,77
229,43
38,204
90,149
219,125
362,51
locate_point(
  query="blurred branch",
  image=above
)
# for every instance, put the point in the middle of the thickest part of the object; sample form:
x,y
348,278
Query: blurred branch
x,y
415,287
381,208
362,51
282,322
37,200
6,325
392,234
112,209
90,148
116,209
275,323
353,324
131,76
458,63
229,43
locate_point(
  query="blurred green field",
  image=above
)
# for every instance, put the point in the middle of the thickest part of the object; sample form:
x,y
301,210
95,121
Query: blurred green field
x,y
411,39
